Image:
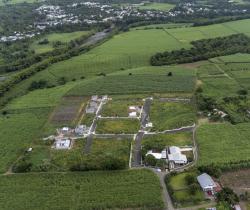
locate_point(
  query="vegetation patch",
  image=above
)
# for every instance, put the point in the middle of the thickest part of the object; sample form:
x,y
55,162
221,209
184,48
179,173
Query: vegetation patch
x,y
171,115
184,189
124,126
223,144
89,190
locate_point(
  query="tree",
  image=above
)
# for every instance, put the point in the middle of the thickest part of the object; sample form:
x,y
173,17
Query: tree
x,y
190,179
227,195
170,74
193,188
150,160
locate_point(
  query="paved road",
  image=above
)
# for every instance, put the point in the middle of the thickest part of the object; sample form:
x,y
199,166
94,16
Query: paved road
x,y
137,150
145,112
166,198
89,140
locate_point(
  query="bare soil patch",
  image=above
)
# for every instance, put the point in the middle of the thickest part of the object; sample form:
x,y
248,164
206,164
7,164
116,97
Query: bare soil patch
x,y
69,110
192,65
237,180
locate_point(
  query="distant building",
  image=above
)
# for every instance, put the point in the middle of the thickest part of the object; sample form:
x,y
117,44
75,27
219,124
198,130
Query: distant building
x,y
207,183
63,144
132,114
81,130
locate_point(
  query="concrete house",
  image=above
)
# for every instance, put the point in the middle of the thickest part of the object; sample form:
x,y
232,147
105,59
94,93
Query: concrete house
x,y
158,155
63,144
176,156
206,182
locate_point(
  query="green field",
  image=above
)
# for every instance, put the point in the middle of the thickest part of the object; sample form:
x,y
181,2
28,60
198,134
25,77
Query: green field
x,y
64,38
163,140
18,132
171,115
157,6
126,126
222,143
119,107
102,151
89,190
142,80
18,1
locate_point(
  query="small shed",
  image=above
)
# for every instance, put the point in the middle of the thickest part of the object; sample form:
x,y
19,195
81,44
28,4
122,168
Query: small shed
x,y
132,114
63,144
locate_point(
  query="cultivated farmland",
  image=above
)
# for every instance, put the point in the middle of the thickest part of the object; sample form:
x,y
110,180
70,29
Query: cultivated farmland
x,y
90,190
171,115
223,143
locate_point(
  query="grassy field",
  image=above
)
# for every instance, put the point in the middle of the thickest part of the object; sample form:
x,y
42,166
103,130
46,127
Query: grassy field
x,y
163,140
49,97
142,80
157,6
171,115
222,143
127,51
119,107
55,37
127,126
18,132
90,190
18,1
181,195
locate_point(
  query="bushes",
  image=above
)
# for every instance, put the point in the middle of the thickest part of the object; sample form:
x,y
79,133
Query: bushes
x,y
38,85
227,195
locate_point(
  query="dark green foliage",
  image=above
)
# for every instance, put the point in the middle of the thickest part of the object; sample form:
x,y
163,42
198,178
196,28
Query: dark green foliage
x,y
211,170
22,166
38,85
227,195
43,42
204,49
190,179
150,160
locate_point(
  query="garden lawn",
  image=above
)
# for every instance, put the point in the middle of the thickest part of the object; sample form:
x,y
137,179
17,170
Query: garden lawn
x,y
223,143
126,126
171,115
181,195
89,190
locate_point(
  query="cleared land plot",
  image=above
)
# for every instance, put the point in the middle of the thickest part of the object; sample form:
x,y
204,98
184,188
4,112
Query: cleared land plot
x,y
223,143
126,126
120,107
181,193
163,140
238,180
68,111
171,115
90,190
64,38
157,6
18,131
87,119
140,80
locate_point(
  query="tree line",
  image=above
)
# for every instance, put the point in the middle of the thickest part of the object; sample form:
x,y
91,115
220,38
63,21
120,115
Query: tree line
x,y
204,50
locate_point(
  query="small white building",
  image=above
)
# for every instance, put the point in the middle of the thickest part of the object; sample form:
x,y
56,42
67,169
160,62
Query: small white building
x,y
206,182
132,114
158,155
63,144
81,130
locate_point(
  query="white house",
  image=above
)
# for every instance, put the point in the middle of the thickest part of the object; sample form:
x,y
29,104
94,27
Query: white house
x,y
158,155
177,158
206,182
